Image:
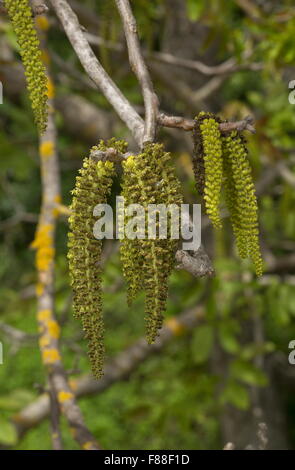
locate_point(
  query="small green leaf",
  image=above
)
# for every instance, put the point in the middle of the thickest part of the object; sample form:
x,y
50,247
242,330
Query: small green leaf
x,y
16,400
194,9
248,373
8,435
237,395
227,339
202,343
252,350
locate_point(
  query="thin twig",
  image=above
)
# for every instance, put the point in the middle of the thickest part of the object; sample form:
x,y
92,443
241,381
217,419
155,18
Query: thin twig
x,y
111,155
229,446
262,436
189,124
227,67
139,67
17,336
56,437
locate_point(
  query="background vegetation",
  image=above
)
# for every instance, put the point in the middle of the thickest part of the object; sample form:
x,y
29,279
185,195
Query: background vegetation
x,y
218,381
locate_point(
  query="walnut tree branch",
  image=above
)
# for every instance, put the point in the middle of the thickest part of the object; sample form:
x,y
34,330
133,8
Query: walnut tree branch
x,y
189,124
196,263
229,66
95,71
139,67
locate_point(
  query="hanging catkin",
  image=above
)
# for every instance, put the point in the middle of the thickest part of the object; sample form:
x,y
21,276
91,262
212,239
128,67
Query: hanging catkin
x,y
241,198
21,16
92,187
207,163
149,178
222,160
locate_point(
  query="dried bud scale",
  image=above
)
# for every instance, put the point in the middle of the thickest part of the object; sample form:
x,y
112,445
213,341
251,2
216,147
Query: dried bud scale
x,y
93,185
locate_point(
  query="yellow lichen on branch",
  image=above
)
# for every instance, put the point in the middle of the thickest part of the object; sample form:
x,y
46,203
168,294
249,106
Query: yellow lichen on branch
x,y
44,244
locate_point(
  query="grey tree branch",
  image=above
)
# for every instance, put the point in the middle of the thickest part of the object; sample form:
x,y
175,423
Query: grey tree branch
x,y
198,263
188,124
95,71
111,155
139,67
228,66
54,414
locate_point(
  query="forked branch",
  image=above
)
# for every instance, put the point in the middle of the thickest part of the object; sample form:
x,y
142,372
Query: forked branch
x,y
139,67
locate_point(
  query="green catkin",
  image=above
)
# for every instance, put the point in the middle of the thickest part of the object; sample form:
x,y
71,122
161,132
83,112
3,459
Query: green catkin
x,y
209,162
93,185
130,254
20,14
150,179
198,153
223,160
241,199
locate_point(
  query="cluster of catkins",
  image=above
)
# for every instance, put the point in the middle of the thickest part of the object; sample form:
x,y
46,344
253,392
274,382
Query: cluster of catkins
x,y
148,178
21,16
222,161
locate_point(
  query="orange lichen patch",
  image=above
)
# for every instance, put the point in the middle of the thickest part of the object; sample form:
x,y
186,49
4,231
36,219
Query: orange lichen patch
x,y
46,148
175,326
50,89
63,210
45,57
53,329
18,418
50,356
88,445
90,130
44,244
64,396
39,289
44,315
73,384
42,22
56,210
73,432
51,109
